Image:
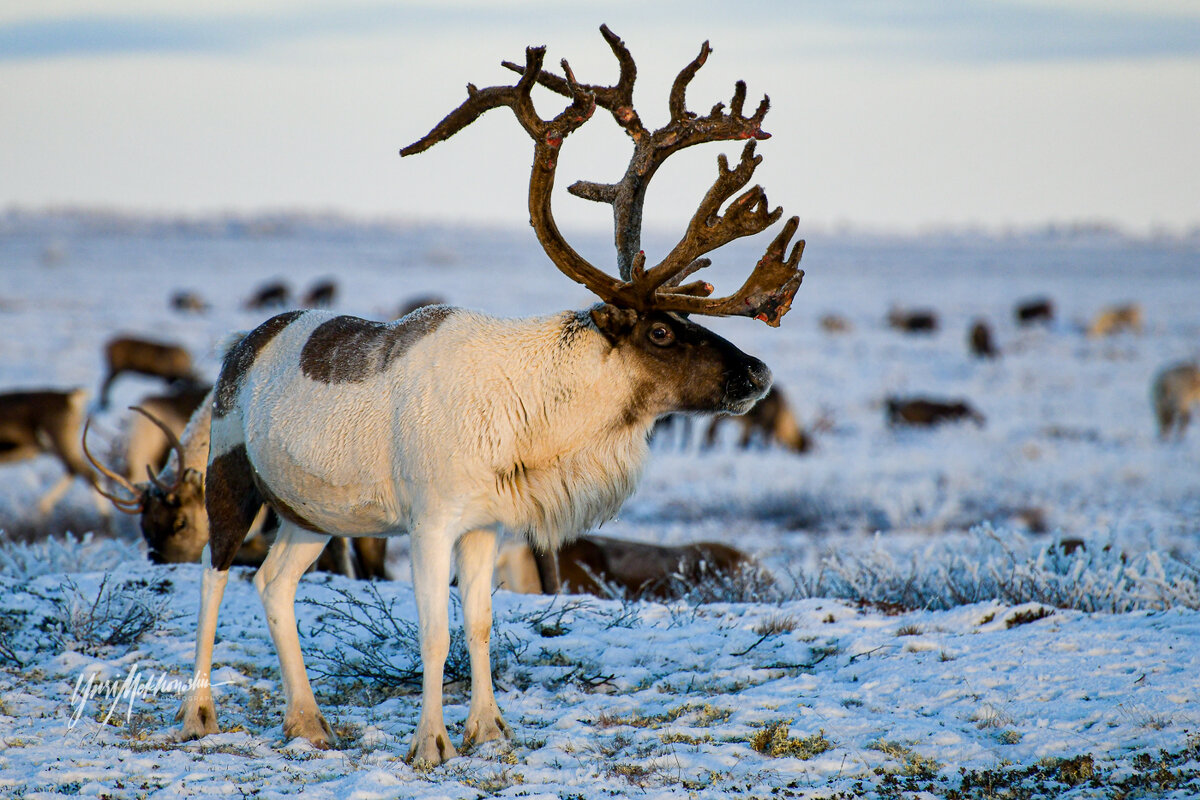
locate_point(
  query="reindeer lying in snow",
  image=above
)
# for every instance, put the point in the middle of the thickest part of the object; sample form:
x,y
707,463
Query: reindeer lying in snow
x,y
597,564
450,423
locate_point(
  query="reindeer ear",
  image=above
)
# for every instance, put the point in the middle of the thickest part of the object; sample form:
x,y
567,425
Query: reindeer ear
x,y
194,477
613,322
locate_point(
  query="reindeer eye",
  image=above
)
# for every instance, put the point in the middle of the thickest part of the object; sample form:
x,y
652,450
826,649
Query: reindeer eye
x,y
660,334
180,524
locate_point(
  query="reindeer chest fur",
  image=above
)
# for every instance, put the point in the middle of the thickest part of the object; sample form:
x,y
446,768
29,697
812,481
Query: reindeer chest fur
x,y
516,422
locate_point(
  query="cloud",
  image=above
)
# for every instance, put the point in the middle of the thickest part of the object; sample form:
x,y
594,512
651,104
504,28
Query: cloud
x,y
960,31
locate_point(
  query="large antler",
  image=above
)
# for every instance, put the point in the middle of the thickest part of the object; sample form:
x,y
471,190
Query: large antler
x,y
767,294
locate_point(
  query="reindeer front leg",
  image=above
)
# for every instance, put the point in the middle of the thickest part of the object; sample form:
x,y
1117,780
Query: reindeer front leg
x,y
198,713
431,548
294,551
476,558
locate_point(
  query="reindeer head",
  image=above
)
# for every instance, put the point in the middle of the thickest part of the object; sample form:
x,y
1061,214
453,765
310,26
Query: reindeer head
x,y
174,521
645,311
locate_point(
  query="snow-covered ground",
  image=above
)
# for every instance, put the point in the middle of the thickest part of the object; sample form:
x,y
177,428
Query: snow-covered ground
x,y
973,674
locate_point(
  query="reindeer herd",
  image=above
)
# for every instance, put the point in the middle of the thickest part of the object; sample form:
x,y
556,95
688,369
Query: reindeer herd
x,y
325,434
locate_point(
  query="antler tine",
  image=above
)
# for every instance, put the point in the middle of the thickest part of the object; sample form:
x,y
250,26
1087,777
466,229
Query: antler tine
x,y
747,215
127,505
678,99
766,295
173,440
548,136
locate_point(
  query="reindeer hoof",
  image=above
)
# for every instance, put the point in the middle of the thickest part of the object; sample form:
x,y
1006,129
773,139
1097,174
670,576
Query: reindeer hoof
x,y
431,749
198,721
309,725
485,729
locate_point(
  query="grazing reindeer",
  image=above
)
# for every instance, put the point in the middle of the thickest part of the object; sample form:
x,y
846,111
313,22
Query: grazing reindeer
x,y
1174,392
186,300
270,295
913,321
598,564
979,340
172,513
321,294
1038,309
449,423
32,423
170,362
925,412
1116,319
771,420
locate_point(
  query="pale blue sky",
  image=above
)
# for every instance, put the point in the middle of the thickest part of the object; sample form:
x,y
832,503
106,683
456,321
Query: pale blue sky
x,y
898,114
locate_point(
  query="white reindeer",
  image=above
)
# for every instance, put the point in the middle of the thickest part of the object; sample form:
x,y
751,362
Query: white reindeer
x,y
449,424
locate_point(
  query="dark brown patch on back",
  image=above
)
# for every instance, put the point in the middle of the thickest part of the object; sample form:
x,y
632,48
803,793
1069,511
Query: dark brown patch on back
x,y
240,358
350,350
232,500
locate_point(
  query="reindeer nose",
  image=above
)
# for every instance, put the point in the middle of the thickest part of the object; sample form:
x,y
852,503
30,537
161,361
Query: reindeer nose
x,y
752,383
760,376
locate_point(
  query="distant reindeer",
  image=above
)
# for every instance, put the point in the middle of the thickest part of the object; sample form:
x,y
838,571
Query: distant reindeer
x,y
922,411
1116,319
1038,309
449,423
599,564
47,421
771,420
172,512
185,300
275,294
833,323
1174,392
420,301
170,362
913,321
321,294
979,340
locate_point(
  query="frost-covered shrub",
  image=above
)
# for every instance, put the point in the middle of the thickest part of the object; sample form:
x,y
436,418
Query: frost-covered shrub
x,y
70,553
373,641
1008,567
119,615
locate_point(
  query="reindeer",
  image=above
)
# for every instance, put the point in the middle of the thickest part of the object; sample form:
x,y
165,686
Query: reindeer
x,y
189,301
924,412
922,320
1037,309
123,354
48,421
1116,319
979,340
771,420
449,424
1174,391
601,564
270,295
320,294
172,513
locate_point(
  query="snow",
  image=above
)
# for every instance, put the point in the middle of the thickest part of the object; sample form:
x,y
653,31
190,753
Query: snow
x,y
667,699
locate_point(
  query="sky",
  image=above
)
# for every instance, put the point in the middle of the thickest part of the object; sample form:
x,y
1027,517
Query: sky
x,y
899,115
